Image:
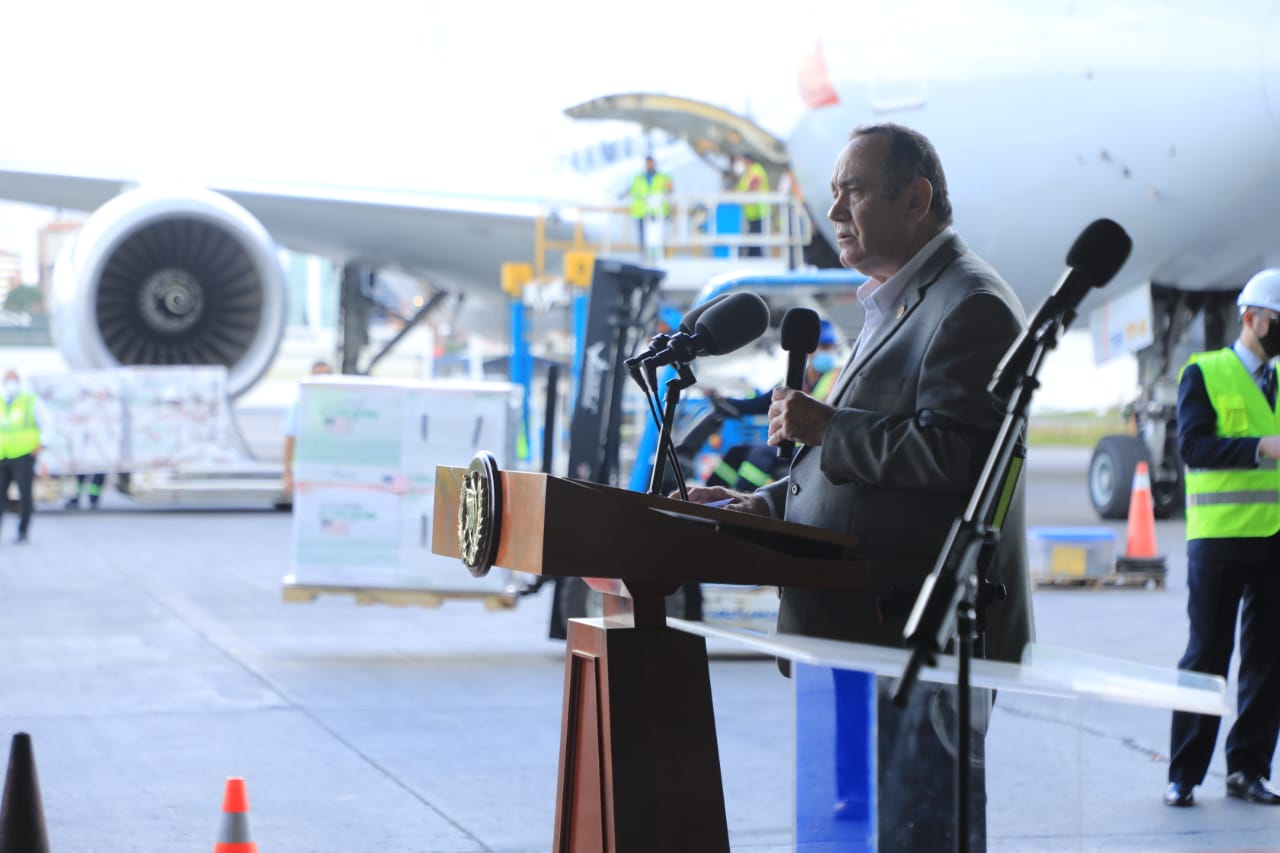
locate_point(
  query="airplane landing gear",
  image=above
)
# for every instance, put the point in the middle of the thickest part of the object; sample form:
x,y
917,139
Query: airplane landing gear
x,y
1111,474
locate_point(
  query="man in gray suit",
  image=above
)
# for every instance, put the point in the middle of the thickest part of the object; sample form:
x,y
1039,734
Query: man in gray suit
x,y
894,453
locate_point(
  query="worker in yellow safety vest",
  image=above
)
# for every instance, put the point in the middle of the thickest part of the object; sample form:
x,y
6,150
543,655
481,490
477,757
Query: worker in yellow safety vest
x,y
752,178
1229,440
650,193
19,444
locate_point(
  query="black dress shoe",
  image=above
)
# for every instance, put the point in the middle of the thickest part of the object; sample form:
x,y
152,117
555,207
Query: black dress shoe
x,y
1179,794
1252,788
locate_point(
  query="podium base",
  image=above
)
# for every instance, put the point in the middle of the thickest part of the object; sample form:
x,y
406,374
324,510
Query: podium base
x,y
639,762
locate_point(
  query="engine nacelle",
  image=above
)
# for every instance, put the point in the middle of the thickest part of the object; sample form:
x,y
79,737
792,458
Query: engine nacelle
x,y
167,278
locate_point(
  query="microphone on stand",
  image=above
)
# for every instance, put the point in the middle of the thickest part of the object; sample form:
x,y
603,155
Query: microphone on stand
x,y
724,327
689,322
1094,258
801,329
658,343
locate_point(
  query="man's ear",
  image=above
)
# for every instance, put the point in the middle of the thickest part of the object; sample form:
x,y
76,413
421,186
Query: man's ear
x,y
919,197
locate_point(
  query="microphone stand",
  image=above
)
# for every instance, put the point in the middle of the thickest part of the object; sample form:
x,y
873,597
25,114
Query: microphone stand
x,y
957,588
648,382
684,379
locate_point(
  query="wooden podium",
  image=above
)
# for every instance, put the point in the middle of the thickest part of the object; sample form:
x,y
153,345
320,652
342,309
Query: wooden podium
x,y
639,764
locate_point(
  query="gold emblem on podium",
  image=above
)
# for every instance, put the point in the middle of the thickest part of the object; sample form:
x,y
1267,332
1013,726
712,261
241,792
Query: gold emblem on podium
x,y
480,514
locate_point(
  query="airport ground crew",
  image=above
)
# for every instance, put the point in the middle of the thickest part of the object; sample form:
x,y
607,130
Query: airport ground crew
x,y
19,445
746,467
752,178
1229,439
649,193
89,485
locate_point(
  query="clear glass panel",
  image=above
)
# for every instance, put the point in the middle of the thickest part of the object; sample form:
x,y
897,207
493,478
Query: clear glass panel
x,y
1073,758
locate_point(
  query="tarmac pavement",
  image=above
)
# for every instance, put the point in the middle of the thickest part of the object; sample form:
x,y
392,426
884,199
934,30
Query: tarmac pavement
x,y
150,656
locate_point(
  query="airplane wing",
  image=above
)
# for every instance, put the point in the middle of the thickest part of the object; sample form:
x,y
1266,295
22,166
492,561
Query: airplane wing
x,y
454,239
175,273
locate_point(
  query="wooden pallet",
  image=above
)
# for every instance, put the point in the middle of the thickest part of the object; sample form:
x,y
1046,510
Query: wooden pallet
x,y
299,593
1115,580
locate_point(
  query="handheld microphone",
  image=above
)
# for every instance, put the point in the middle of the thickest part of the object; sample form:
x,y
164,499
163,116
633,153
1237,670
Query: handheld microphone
x,y
1095,257
801,329
724,327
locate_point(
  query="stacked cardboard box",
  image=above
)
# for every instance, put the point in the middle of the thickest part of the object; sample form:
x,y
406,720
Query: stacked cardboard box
x,y
365,465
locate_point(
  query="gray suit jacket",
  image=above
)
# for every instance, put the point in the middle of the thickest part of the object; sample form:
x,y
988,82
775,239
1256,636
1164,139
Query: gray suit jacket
x,y
913,425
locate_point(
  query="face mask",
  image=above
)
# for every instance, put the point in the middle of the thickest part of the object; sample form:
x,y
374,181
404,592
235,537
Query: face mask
x,y
824,362
11,387
1271,340
739,168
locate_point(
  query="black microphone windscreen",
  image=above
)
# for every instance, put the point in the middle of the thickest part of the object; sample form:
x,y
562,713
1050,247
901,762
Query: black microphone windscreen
x,y
733,323
801,329
1100,251
689,322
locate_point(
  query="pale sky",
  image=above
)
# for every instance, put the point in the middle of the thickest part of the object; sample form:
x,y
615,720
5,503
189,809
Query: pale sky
x,y
380,92
435,95
430,95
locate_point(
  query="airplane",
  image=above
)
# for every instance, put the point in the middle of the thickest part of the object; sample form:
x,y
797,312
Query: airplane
x,y
1160,114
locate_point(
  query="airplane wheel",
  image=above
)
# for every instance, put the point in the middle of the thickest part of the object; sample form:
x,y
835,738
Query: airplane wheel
x,y
1111,474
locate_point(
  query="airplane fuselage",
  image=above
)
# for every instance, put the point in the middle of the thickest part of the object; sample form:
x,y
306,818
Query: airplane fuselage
x,y
1161,116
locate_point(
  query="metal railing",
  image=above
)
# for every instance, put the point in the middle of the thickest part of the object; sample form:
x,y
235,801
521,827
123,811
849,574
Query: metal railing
x,y
712,227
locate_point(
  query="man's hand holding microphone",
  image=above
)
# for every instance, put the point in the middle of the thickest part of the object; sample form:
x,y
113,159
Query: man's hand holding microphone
x,y
794,416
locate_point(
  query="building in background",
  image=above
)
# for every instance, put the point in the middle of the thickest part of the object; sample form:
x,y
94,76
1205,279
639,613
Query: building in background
x,y
50,240
10,273
23,319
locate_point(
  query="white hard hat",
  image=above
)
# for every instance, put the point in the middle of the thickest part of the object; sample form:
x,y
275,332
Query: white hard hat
x,y
1262,291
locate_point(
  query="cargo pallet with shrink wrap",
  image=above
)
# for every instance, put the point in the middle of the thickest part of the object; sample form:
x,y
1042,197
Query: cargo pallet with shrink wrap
x,y
364,467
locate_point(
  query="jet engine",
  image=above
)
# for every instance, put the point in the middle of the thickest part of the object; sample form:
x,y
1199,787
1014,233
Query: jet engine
x,y
167,278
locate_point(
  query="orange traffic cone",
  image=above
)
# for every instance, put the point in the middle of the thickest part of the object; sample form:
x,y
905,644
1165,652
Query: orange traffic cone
x,y
21,814
233,836
1140,552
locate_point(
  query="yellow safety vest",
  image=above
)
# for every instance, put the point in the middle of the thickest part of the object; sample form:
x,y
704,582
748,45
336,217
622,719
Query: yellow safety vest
x,y
822,387
649,196
755,210
19,434
1225,503
746,472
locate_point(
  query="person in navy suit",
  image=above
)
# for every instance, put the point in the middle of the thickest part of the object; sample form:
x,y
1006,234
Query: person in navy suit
x,y
1229,439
